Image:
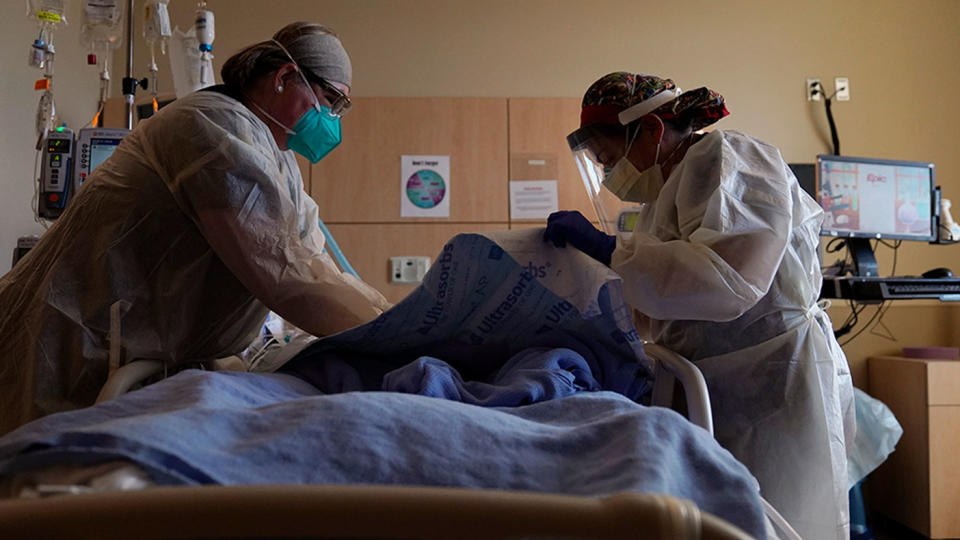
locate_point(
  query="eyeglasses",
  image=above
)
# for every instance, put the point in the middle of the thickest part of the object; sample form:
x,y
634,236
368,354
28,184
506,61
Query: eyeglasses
x,y
340,104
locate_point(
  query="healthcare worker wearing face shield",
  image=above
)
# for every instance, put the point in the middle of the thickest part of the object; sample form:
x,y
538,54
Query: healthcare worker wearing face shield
x,y
722,268
189,233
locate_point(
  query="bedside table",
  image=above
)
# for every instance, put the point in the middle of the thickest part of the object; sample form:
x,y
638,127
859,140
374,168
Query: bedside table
x,y
919,484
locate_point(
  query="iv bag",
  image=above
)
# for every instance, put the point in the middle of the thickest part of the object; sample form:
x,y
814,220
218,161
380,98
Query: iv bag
x,y
48,14
185,62
156,24
48,11
102,24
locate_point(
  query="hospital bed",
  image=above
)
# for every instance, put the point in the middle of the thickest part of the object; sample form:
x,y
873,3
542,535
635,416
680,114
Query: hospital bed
x,y
245,506
371,511
357,512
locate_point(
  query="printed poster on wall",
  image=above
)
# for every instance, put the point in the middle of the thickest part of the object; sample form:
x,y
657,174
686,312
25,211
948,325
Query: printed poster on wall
x,y
425,186
533,199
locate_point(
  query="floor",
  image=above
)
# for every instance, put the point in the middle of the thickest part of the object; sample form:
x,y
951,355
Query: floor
x,y
887,529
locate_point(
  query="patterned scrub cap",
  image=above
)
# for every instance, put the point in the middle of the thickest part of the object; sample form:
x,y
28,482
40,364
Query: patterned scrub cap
x,y
617,92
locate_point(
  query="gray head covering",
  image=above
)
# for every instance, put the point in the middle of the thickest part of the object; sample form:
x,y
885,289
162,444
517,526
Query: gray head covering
x,y
314,49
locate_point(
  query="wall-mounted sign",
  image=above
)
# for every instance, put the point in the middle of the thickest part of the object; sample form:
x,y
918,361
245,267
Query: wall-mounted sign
x,y
425,186
533,199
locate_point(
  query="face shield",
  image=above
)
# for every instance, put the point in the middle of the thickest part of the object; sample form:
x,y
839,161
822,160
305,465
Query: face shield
x,y
596,149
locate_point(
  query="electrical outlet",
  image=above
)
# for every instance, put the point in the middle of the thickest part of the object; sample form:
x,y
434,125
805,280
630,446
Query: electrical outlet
x,y
408,269
814,89
842,87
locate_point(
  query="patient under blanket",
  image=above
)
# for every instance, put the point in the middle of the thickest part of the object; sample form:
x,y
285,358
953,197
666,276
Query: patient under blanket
x,y
486,301
510,367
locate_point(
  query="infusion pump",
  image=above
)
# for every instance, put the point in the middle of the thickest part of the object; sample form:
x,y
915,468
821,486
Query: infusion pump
x,y
68,163
55,172
94,146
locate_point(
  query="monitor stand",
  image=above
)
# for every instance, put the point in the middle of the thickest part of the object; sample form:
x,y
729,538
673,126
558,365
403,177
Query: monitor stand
x,y
864,262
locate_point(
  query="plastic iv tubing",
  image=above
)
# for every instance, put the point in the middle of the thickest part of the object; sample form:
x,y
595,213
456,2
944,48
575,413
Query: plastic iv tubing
x,y
335,250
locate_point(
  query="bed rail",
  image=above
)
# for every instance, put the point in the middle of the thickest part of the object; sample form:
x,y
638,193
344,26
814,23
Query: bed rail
x,y
671,367
335,511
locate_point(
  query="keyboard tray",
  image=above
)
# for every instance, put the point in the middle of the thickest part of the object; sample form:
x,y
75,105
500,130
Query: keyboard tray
x,y
877,289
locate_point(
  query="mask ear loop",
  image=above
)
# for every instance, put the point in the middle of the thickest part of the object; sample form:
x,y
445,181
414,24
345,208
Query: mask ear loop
x,y
275,121
631,86
316,102
631,138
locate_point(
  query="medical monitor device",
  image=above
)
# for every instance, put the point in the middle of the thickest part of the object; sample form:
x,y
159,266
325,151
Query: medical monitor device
x,y
55,172
24,245
865,198
94,146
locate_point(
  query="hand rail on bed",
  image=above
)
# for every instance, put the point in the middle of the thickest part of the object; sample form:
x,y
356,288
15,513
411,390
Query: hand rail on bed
x,y
122,379
671,365
372,511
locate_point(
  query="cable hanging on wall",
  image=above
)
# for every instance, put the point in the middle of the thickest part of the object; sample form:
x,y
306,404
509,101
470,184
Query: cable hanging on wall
x,y
817,89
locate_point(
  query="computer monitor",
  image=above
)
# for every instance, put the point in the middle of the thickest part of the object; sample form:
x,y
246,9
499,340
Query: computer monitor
x,y
867,198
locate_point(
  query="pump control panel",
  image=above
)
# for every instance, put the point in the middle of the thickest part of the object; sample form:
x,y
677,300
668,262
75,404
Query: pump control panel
x,y
55,174
94,146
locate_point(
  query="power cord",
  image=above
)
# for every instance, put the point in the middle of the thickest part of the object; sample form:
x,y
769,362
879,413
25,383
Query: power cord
x,y
876,314
856,309
817,89
885,307
850,322
842,267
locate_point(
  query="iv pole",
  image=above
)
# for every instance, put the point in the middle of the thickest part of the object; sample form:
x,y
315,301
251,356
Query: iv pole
x,y
129,82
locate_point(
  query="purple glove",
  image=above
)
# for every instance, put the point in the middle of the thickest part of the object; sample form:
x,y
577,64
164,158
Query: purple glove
x,y
570,226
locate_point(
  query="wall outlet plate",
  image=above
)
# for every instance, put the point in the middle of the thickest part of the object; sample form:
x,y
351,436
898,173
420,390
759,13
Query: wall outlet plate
x,y
814,89
408,269
842,86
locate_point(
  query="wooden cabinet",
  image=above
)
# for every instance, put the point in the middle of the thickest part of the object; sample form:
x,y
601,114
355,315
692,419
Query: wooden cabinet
x,y
919,484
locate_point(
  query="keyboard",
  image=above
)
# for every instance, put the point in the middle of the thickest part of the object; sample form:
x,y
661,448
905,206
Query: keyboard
x,y
877,289
937,286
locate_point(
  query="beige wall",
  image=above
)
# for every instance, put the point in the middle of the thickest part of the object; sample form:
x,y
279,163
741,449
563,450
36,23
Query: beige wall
x,y
899,57
76,89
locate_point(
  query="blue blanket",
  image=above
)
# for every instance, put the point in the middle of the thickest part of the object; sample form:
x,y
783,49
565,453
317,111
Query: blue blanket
x,y
513,366
482,306
240,428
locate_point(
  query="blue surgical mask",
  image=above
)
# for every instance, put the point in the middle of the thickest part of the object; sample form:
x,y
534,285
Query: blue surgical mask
x,y
316,134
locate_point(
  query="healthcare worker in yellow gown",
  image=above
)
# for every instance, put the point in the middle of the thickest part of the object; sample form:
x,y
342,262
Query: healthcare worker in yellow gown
x,y
722,268
193,229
